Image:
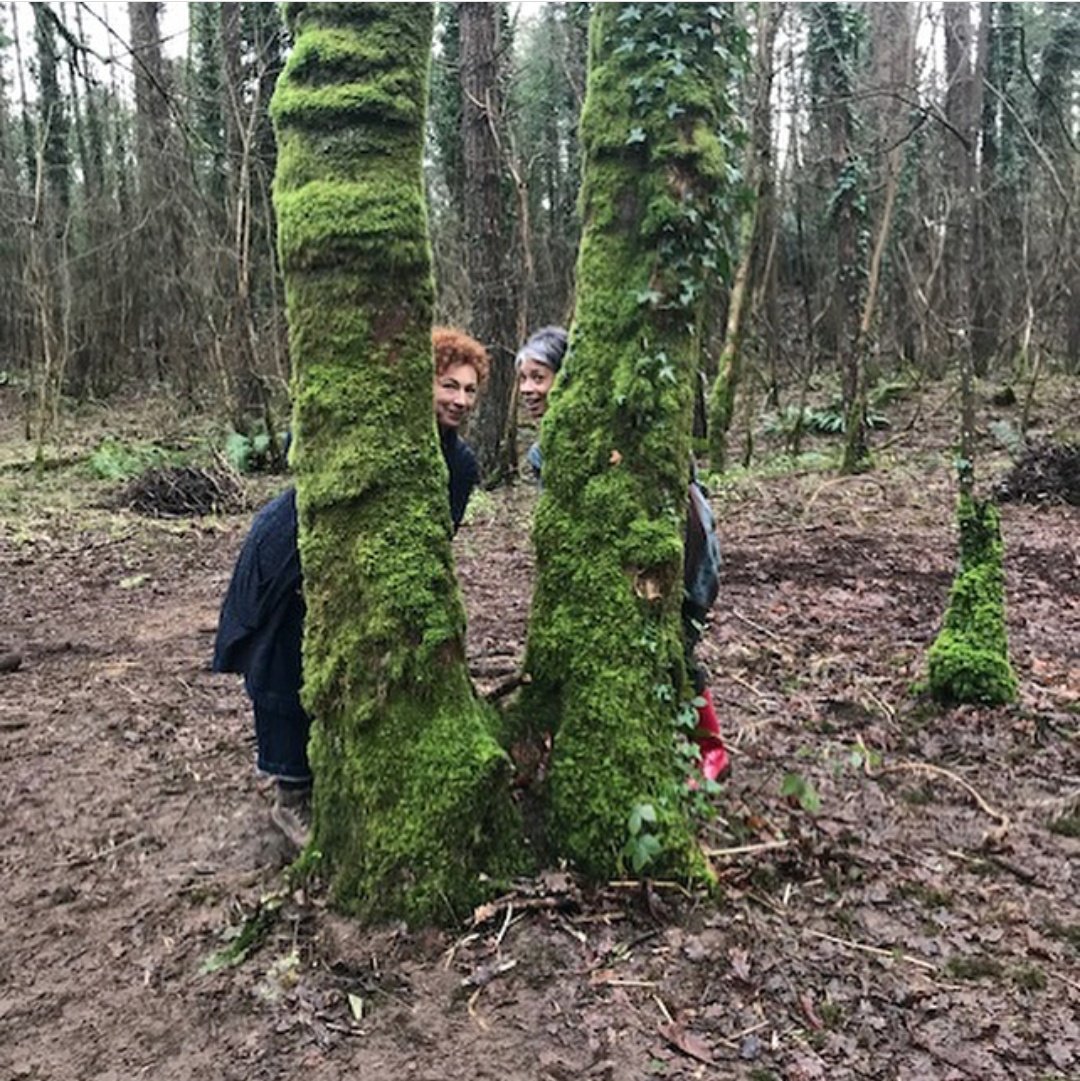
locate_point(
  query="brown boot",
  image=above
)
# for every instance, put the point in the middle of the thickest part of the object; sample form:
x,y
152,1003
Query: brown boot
x,y
291,814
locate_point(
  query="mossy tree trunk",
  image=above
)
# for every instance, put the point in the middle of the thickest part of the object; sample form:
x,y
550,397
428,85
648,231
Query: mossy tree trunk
x,y
605,652
408,810
969,659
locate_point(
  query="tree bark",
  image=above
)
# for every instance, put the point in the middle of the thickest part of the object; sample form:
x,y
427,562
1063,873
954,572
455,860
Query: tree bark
x,y
159,313
491,294
410,796
756,236
961,112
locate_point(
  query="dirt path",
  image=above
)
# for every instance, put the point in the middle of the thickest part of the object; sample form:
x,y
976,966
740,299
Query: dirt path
x,y
881,937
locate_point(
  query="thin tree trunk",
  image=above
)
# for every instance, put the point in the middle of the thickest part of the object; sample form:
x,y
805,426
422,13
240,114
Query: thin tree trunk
x,y
753,237
491,299
961,113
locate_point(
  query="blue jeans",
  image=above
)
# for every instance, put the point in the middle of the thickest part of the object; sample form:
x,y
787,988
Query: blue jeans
x,y
281,735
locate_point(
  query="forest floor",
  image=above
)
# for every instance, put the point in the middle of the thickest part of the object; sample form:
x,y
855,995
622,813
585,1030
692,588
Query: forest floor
x,y
923,922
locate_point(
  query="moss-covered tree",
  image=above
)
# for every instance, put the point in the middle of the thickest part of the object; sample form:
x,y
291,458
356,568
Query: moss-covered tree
x,y
969,659
410,803
605,652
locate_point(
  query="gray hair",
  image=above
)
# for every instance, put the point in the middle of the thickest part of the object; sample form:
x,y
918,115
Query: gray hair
x,y
546,346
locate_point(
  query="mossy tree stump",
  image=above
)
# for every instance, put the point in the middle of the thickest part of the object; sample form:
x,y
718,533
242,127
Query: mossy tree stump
x,y
605,652
410,795
969,659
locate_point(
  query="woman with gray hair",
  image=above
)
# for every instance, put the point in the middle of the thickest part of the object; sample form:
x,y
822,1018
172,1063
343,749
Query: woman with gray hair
x,y
538,361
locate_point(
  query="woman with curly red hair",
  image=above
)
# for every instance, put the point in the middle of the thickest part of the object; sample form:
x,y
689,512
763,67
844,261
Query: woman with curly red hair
x,y
262,617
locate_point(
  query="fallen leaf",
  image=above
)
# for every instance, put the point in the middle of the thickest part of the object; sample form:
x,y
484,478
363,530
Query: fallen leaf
x,y
686,1042
740,964
694,949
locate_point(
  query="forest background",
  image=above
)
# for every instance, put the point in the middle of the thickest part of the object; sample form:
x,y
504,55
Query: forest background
x,y
914,167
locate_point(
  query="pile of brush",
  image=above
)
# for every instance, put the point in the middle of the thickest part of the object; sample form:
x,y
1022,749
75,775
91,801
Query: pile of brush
x,y
184,491
1044,473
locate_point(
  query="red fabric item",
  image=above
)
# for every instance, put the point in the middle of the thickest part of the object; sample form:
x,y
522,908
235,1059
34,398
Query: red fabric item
x,y
715,761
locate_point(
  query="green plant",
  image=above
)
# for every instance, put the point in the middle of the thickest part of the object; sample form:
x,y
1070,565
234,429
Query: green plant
x,y
1028,977
1066,932
642,846
244,939
973,968
114,460
1066,826
1008,436
798,788
256,453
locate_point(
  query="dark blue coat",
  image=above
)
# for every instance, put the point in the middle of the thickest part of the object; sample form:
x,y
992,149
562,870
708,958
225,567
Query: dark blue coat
x,y
262,617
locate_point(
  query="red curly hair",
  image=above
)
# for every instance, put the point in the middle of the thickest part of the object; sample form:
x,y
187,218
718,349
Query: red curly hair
x,y
456,347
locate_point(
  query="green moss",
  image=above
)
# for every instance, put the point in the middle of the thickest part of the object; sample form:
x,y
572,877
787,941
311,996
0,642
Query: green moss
x,y
721,409
1067,932
927,896
412,816
975,967
1066,826
1028,977
969,660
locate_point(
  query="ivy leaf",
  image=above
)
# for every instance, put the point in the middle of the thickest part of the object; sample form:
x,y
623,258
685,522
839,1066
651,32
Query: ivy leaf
x,y
637,135
645,848
796,786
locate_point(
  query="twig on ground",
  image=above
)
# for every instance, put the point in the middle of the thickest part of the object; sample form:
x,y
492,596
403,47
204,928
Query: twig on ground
x,y
105,853
783,531
735,677
505,925
657,884
744,850
940,771
1065,980
507,686
755,626
472,1009
889,955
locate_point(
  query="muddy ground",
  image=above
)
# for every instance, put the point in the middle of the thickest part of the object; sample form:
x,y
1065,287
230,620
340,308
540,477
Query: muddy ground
x,y
923,923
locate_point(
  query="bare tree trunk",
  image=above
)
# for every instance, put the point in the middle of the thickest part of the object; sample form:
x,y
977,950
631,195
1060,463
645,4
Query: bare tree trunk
x,y
893,71
491,300
754,240
241,341
159,310
961,113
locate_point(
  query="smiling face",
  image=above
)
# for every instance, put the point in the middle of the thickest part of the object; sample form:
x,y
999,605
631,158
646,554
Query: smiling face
x,y
534,385
455,394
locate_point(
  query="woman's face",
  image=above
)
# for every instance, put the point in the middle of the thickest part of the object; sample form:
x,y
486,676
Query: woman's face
x,y
455,394
534,384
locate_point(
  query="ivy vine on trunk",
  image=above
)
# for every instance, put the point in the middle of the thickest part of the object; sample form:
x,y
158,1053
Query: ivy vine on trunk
x,y
605,652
